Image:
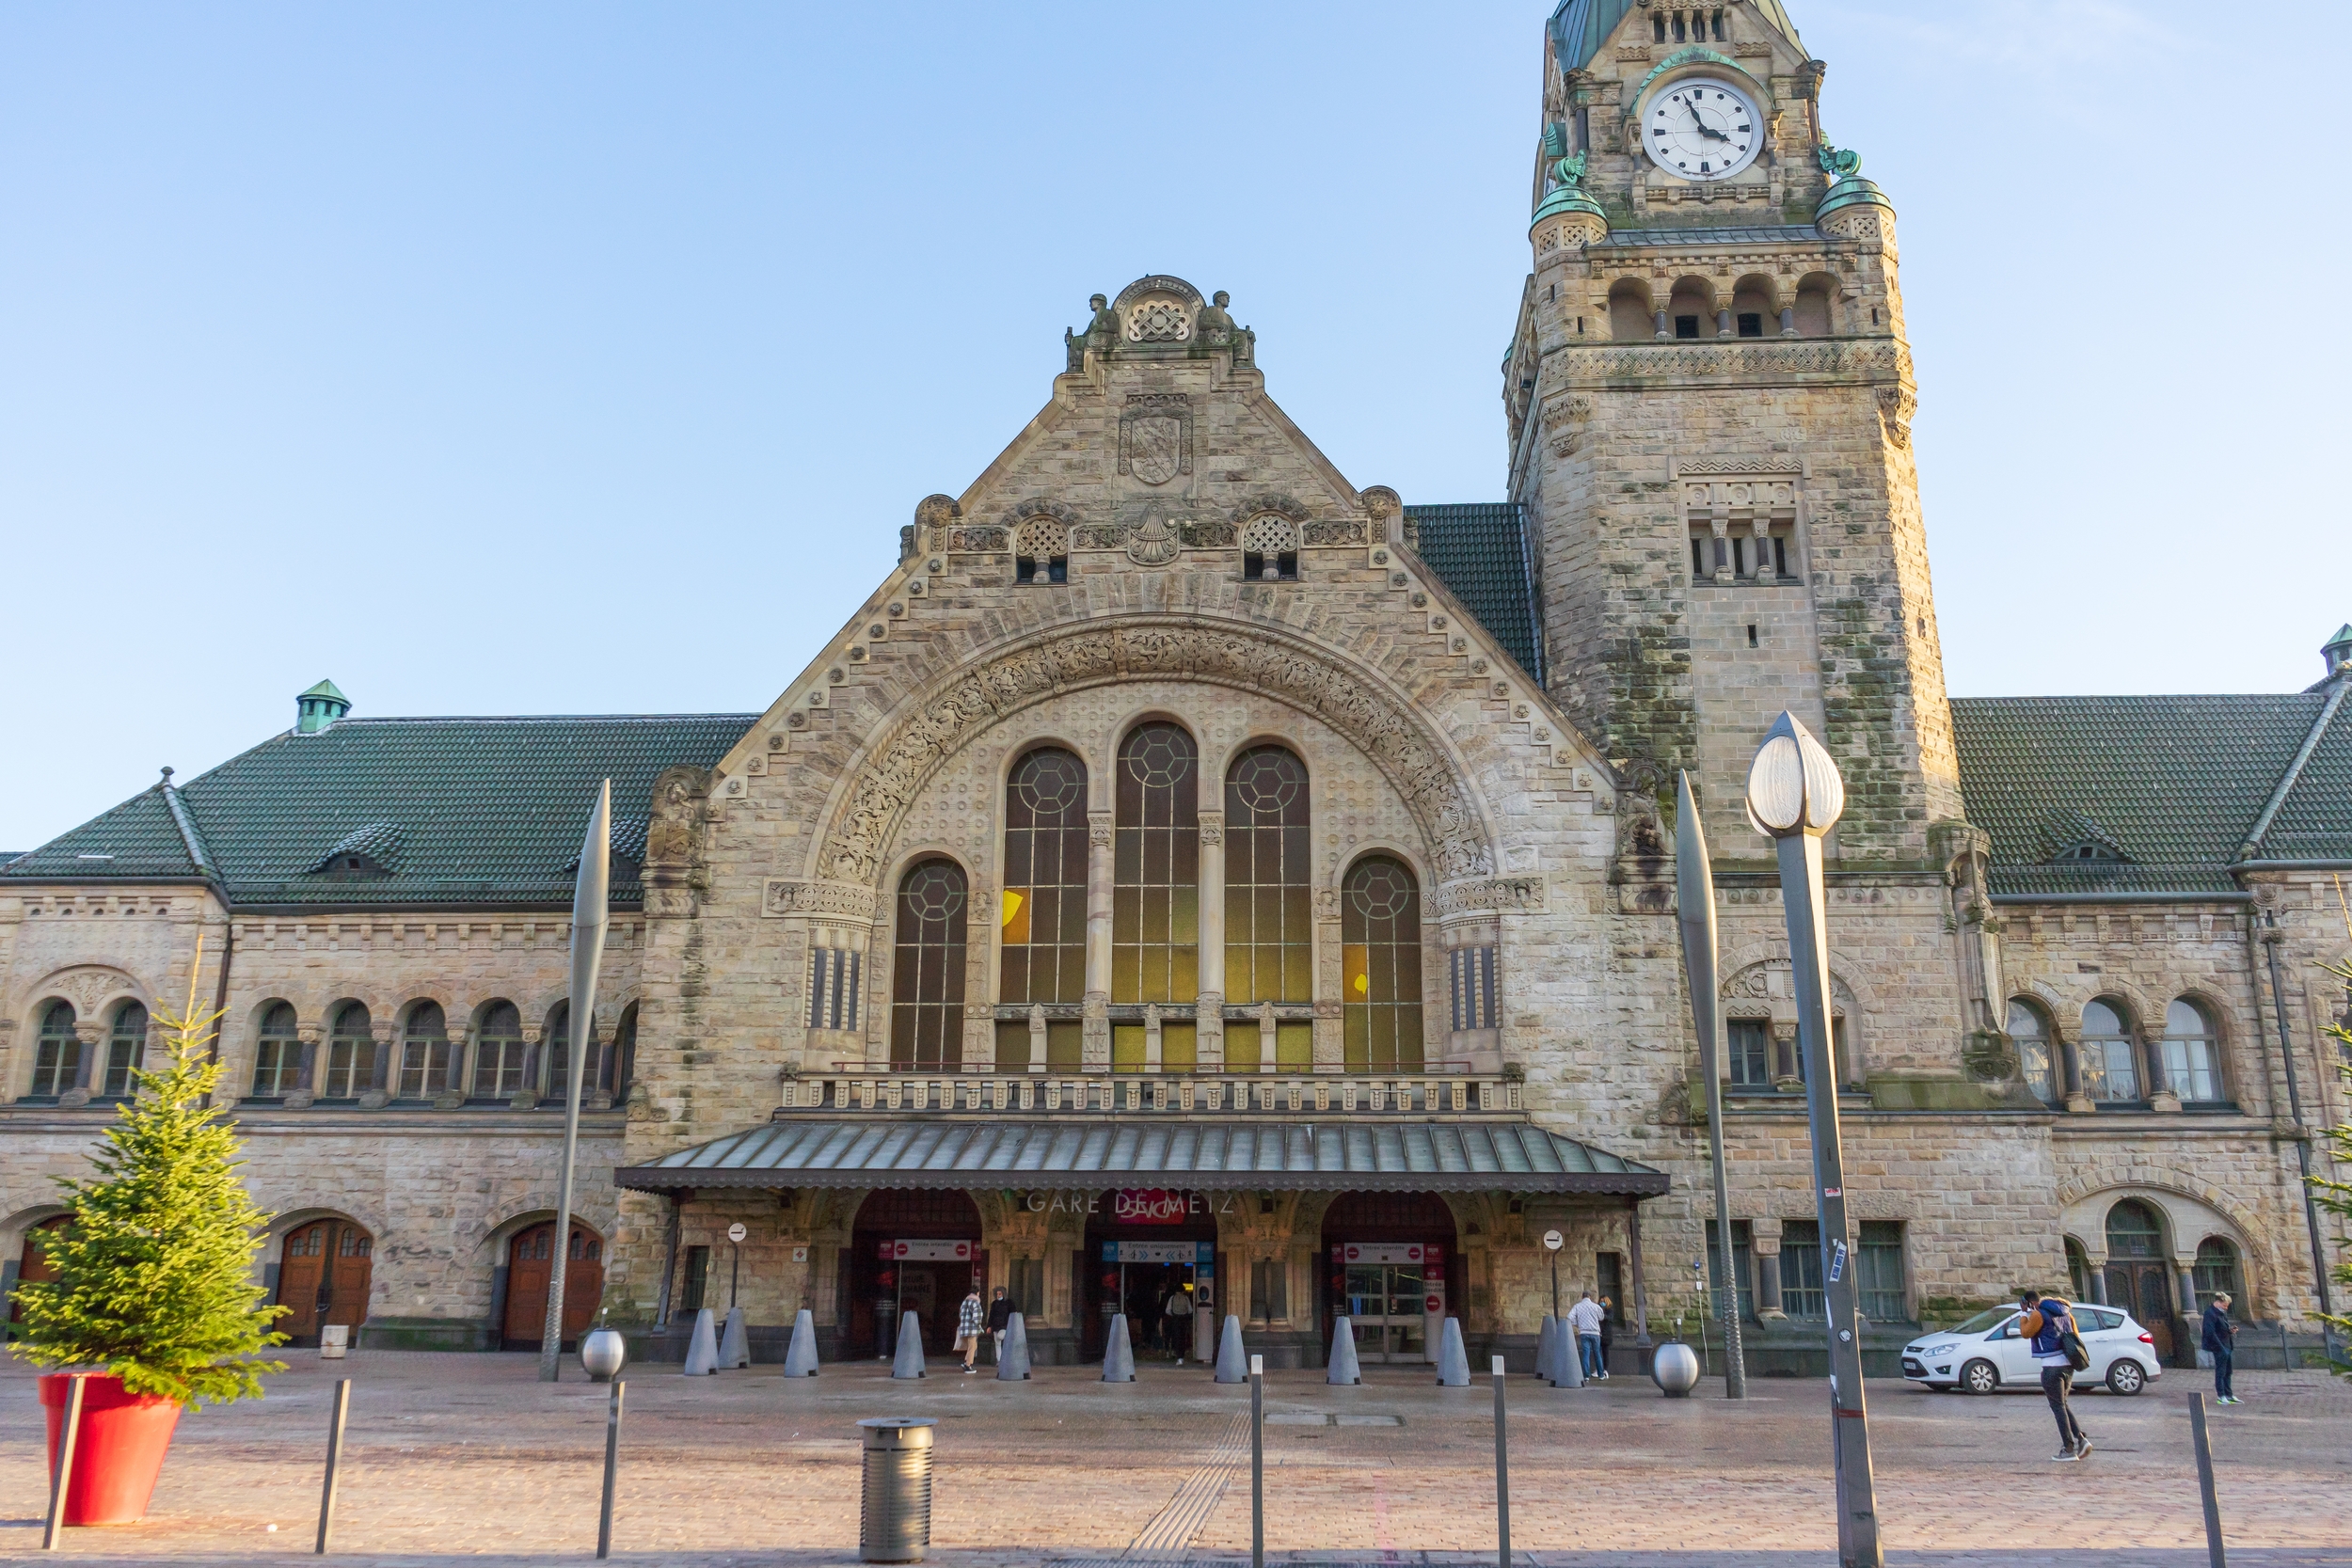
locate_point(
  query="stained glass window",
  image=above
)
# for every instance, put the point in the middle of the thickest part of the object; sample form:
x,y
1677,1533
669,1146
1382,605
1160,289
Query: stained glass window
x,y
1269,905
1155,879
1380,966
1044,907
927,975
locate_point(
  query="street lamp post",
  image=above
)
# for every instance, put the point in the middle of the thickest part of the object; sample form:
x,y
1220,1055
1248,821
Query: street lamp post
x,y
590,905
1694,907
1794,797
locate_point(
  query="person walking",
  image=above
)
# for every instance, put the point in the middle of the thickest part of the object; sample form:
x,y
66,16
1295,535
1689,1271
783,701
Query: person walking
x,y
1177,1314
968,1319
1585,1318
2049,1323
2221,1340
1608,1322
999,1323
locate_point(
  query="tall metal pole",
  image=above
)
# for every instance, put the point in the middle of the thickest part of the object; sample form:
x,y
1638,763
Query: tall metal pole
x,y
1694,907
1795,796
334,1464
2271,937
590,905
1257,1462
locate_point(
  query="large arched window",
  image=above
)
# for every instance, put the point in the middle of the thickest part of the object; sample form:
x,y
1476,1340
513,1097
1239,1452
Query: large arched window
x,y
425,1052
2031,1032
621,1062
1043,911
2192,1058
126,1049
1380,966
498,1057
278,1055
1155,886
57,1058
1269,902
556,1050
350,1053
2217,1275
926,974
2110,1069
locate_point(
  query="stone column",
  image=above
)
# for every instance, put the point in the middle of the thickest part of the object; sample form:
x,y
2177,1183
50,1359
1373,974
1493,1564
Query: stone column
x,y
2151,1048
1725,326
2097,1270
1330,1054
1266,1037
535,1055
1097,1055
307,1075
90,1072
1209,1010
1037,1038
2070,1069
1785,1076
596,1088
1665,324
380,1082
1787,321
453,1094
1152,1059
1764,1247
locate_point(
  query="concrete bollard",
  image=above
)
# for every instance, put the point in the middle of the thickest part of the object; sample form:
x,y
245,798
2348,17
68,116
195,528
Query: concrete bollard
x,y
908,1363
1567,1359
800,1359
734,1345
334,1341
1548,1346
1231,1364
1012,1362
702,1351
1118,1356
1453,1360
1341,1361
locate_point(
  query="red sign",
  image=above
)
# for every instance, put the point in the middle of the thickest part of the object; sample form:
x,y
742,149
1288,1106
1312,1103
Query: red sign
x,y
932,1252
1388,1252
1151,1206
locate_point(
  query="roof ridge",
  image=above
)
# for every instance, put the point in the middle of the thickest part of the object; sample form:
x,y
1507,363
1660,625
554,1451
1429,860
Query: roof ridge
x,y
198,853
2250,848
537,719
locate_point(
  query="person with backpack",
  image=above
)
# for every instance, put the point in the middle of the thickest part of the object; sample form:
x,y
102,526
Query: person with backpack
x,y
2057,1350
2220,1340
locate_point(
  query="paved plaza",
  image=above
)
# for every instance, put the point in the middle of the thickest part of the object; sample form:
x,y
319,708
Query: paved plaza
x,y
468,1456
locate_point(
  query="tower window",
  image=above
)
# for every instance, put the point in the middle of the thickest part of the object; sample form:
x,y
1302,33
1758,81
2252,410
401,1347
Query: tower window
x,y
1750,634
1686,326
1751,323
1657,29
1269,547
1041,552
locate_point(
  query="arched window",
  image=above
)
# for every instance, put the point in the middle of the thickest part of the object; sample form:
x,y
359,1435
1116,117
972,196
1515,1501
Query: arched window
x,y
2133,1231
2078,1270
1380,966
126,1049
1043,914
1690,310
2032,1035
622,1061
556,1050
497,1059
2110,1069
927,975
57,1058
1155,886
2192,1058
1754,312
1629,316
1812,312
1040,550
2217,1275
350,1053
1269,900
278,1057
1269,548
425,1052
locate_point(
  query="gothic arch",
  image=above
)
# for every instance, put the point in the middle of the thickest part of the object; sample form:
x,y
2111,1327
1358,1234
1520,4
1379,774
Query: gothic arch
x,y
1353,699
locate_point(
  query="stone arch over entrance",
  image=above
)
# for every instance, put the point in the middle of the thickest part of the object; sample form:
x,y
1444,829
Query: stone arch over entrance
x,y
326,1273
1384,1258
530,1271
934,1239
1355,700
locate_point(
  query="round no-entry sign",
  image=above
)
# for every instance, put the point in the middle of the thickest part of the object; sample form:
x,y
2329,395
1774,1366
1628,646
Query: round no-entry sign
x,y
1553,1240
735,1232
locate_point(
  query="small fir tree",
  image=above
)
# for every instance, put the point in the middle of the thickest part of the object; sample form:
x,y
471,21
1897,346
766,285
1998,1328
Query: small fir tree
x,y
154,1263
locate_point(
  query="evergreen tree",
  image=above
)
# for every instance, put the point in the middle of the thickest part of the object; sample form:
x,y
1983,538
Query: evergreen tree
x,y
154,1263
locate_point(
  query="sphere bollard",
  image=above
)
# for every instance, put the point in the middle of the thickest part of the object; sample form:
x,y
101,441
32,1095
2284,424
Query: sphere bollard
x,y
602,1351
895,1512
1675,1368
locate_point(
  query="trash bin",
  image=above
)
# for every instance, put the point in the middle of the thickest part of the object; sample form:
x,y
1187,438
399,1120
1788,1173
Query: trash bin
x,y
895,1515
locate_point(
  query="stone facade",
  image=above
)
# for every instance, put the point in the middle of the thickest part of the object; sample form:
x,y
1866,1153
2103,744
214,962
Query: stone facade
x,y
1093,578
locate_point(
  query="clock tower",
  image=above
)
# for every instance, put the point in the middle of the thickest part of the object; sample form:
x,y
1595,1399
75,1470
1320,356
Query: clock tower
x,y
1709,397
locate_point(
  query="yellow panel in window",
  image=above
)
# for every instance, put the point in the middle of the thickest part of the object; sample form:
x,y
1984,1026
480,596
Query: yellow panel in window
x,y
1355,972
1012,1047
1016,915
1065,1046
1126,1047
1241,1045
1294,1046
1180,1047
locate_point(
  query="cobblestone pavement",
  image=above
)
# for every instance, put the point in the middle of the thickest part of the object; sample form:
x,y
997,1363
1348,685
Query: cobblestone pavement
x,y
468,1457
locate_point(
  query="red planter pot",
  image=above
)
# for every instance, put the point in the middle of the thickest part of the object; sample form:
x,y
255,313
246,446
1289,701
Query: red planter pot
x,y
119,1451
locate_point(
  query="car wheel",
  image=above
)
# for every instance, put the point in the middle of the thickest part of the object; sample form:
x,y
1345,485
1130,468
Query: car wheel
x,y
2126,1376
1980,1377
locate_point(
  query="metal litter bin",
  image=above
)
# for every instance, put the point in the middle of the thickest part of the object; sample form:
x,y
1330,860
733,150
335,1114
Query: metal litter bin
x,y
895,1512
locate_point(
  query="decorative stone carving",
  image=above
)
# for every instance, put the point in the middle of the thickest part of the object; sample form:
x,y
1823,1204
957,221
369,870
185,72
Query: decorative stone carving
x,y
1154,541
88,987
1208,534
977,541
1397,738
1346,531
1487,894
1042,537
1269,533
1895,407
1156,436
850,899
1752,463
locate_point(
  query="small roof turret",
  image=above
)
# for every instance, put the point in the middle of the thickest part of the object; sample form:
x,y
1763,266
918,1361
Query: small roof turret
x,y
2337,650
318,707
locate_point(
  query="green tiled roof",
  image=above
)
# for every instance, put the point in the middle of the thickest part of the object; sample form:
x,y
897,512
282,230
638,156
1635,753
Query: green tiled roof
x,y
1480,551
2173,784
1579,28
464,812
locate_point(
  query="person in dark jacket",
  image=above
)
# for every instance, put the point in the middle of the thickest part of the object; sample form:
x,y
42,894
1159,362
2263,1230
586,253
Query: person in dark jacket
x,y
2046,1322
999,1322
2221,1344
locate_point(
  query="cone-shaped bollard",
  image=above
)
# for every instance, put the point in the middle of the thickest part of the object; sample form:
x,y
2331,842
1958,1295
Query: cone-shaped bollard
x,y
908,1361
1341,1361
1453,1361
1568,1355
702,1351
734,1345
1012,1361
1118,1356
800,1360
1231,1364
1546,1347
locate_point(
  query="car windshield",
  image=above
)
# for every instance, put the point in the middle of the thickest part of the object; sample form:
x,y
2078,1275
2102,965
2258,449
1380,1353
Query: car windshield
x,y
1992,1317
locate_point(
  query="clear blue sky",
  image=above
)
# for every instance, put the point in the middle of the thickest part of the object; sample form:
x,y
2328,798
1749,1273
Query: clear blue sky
x,y
587,357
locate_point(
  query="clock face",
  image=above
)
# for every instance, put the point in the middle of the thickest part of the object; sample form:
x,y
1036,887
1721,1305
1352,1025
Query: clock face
x,y
1702,129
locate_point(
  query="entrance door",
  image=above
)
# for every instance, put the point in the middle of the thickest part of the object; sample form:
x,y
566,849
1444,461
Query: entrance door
x,y
2144,1291
529,1264
323,1276
1386,1302
36,1266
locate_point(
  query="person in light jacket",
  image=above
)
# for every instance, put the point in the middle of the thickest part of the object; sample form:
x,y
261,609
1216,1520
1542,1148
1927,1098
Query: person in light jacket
x,y
968,1319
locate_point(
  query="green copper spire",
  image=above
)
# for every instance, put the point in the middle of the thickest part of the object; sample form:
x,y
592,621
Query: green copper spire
x,y
1567,195
1848,188
318,707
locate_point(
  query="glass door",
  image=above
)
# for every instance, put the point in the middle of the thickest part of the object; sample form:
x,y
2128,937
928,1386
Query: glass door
x,y
1386,1302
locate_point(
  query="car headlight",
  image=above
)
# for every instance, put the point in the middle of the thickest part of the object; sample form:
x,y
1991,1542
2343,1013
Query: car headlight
x,y
1939,1351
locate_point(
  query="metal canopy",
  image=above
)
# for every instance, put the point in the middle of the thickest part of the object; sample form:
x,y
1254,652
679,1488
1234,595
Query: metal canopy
x,y
1318,1156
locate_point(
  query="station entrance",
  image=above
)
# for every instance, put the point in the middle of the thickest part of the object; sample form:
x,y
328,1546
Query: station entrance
x,y
1145,1250
1389,1259
915,1252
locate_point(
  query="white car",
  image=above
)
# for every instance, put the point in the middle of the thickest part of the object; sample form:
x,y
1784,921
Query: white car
x,y
1986,1354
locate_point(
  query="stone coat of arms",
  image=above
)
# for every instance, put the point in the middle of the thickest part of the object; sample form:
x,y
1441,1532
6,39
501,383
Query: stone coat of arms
x,y
1156,436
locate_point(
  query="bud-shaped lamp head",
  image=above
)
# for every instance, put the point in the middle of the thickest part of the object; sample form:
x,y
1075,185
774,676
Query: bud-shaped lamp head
x,y
1793,786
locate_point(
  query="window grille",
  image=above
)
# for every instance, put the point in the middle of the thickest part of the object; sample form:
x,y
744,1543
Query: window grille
x,y
1743,1265
1879,1272
1801,1290
1155,882
2217,1273
1040,550
833,976
1470,982
1041,913
1380,966
278,1057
